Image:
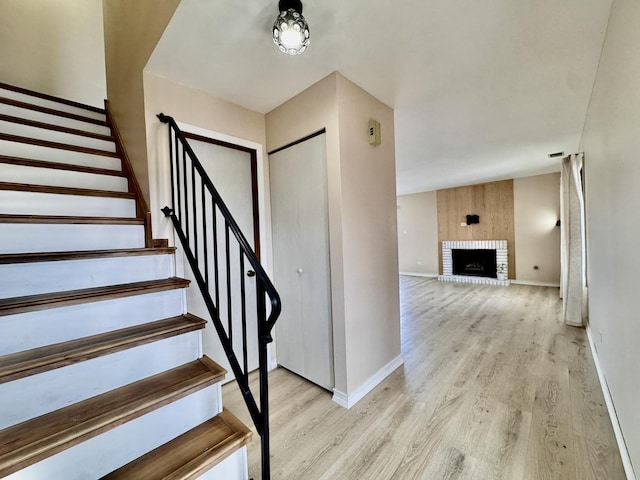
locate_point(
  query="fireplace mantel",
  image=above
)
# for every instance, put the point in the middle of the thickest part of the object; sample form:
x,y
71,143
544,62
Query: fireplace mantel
x,y
500,246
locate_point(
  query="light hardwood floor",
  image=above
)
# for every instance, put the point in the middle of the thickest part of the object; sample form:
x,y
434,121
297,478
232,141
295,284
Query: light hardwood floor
x,y
494,386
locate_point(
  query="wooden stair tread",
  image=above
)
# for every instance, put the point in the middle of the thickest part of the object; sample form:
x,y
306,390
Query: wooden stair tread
x,y
85,192
27,162
11,258
62,146
69,219
191,454
36,439
52,111
56,128
10,306
38,360
45,96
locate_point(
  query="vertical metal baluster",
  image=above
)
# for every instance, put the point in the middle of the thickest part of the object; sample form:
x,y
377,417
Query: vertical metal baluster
x,y
215,255
244,314
178,178
229,309
264,380
186,192
171,160
195,211
204,233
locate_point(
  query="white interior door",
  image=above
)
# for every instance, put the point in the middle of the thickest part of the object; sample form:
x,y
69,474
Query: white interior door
x,y
231,172
298,177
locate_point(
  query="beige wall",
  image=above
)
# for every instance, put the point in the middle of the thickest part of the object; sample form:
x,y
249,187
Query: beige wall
x,y
536,207
536,202
612,170
131,31
193,107
54,47
369,235
418,233
362,221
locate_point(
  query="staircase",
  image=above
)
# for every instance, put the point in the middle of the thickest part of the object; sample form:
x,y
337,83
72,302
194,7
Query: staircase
x,y
101,370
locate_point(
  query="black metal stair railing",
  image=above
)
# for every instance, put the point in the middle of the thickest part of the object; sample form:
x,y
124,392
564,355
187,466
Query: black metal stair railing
x,y
218,254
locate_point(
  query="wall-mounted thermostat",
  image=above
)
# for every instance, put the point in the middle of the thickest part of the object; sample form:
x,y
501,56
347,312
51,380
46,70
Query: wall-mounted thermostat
x,y
374,133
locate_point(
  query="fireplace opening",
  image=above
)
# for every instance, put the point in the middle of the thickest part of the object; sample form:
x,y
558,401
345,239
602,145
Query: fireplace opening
x,y
478,262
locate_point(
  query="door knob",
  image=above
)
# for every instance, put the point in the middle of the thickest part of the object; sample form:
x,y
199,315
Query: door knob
x,y
251,273
300,271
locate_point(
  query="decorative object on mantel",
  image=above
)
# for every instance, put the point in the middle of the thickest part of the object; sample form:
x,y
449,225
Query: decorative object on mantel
x,y
501,271
472,219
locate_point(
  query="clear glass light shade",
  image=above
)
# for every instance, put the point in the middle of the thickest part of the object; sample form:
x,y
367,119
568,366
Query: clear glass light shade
x,y
291,32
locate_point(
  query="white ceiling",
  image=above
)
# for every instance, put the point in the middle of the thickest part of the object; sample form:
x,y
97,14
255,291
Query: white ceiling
x,y
482,90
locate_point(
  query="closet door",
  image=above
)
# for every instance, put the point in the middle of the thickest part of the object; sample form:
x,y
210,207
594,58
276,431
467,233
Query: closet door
x,y
298,177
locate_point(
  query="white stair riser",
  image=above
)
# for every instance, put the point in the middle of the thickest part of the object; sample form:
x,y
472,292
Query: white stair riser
x,y
12,128
37,203
26,238
62,178
115,448
54,119
25,331
235,467
36,395
22,97
35,152
39,394
20,279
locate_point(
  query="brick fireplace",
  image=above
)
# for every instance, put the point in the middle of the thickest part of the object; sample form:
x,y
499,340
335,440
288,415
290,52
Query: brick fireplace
x,y
475,270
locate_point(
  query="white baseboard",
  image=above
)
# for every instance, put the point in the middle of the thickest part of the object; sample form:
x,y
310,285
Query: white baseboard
x,y
515,282
417,274
349,400
273,364
340,398
622,446
535,284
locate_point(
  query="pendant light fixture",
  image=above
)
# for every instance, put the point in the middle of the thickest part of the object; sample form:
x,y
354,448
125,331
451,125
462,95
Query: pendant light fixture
x,y
290,30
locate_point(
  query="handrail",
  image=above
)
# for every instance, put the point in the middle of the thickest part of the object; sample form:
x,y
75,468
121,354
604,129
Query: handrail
x,y
196,208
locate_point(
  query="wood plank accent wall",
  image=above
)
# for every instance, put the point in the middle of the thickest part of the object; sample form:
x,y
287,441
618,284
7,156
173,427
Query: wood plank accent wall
x,y
493,202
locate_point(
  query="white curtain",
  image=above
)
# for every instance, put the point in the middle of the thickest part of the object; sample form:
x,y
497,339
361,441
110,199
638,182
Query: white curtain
x,y
573,282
